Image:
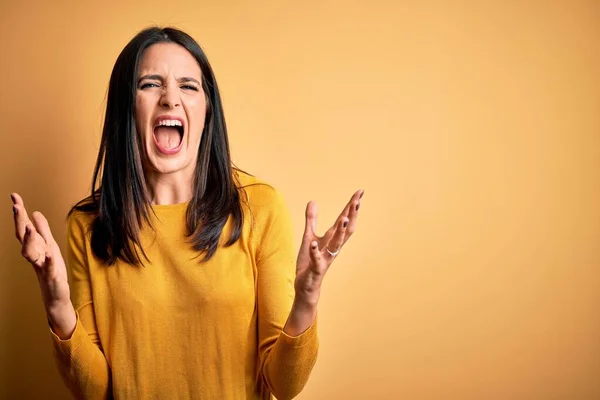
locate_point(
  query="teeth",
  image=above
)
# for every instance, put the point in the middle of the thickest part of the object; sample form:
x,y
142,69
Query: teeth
x,y
169,122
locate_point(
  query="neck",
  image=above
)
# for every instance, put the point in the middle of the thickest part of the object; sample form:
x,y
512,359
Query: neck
x,y
173,188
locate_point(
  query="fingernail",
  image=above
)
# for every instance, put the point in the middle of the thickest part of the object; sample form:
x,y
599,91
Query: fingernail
x,y
15,210
27,230
361,194
357,206
12,197
345,224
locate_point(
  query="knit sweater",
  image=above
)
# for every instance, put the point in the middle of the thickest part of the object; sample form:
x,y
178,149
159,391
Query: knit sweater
x,y
181,328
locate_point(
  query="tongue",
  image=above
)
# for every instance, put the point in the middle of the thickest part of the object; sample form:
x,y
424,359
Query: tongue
x,y
167,137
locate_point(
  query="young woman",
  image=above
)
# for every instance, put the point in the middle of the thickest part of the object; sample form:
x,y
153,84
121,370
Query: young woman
x,y
183,278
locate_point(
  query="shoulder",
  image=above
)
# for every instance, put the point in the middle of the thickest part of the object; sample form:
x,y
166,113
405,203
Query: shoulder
x,y
268,209
80,218
259,194
269,215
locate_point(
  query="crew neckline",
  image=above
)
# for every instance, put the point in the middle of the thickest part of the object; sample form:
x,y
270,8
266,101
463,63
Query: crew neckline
x,y
170,207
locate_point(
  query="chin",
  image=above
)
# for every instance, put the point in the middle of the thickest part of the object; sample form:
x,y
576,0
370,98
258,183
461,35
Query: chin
x,y
158,163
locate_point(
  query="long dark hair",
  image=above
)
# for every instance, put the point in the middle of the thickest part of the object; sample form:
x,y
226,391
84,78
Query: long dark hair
x,y
121,202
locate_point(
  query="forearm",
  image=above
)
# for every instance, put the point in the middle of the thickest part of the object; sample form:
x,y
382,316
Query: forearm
x,y
62,319
56,296
302,315
292,357
81,362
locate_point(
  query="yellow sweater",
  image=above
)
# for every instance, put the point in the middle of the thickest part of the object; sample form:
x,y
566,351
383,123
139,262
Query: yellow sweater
x,y
182,329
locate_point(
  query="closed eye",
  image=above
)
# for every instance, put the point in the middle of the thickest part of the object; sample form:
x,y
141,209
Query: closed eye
x,y
148,84
189,87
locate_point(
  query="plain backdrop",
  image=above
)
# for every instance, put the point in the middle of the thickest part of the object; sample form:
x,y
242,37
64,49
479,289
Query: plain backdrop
x,y
473,126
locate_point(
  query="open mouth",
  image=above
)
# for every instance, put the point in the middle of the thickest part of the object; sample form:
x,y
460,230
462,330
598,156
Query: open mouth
x,y
168,134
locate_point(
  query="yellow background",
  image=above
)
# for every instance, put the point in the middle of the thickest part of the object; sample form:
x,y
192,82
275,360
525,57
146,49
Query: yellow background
x,y
473,126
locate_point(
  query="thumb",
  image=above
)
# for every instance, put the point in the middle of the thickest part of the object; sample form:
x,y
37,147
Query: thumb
x,y
310,225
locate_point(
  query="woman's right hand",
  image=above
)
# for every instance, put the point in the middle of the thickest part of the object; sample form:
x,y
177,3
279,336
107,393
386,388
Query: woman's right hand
x,y
40,249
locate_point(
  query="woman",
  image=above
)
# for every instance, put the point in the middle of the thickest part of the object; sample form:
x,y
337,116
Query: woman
x,y
181,268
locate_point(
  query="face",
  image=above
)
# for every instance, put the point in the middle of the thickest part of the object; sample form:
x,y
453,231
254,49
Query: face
x,y
170,109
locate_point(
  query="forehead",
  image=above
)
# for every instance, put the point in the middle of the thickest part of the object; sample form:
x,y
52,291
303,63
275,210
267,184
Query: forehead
x,y
167,58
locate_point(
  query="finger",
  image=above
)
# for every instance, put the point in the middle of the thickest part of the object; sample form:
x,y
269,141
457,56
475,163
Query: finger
x,y
337,241
352,203
29,250
351,212
316,256
20,216
352,218
42,227
310,226
331,231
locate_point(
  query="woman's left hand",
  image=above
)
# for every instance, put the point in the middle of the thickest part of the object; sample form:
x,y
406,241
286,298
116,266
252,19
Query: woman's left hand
x,y
317,253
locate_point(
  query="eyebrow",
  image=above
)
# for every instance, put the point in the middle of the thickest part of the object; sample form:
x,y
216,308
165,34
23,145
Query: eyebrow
x,y
160,78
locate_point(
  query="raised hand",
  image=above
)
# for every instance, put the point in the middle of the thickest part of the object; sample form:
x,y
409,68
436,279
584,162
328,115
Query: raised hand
x,y
40,249
317,253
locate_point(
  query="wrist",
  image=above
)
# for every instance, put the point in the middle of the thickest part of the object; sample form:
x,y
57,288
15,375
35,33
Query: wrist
x,y
62,318
301,317
307,296
306,302
56,294
56,308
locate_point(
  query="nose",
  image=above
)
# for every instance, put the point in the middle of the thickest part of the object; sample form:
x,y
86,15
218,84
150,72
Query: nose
x,y
170,97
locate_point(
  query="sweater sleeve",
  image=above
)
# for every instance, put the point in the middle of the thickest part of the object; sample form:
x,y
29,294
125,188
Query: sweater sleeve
x,y
80,359
286,362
